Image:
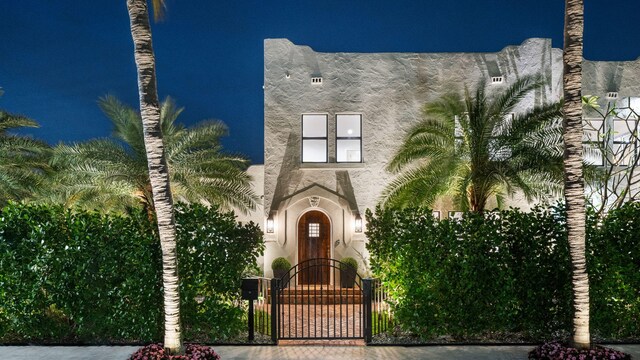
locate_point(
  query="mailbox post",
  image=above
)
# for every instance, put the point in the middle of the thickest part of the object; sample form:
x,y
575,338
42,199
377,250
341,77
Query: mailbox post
x,y
250,292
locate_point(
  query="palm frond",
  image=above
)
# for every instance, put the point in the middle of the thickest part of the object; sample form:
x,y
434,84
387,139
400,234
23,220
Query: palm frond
x,y
109,172
23,160
9,121
419,186
486,152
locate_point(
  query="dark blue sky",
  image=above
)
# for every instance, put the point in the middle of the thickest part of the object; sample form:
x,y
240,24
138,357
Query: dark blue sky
x,y
58,57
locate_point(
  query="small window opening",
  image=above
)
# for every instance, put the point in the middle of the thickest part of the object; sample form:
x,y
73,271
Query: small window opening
x,y
314,230
612,95
316,80
497,79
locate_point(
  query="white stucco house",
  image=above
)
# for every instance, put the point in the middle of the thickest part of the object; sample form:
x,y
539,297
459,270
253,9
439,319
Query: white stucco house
x,y
333,120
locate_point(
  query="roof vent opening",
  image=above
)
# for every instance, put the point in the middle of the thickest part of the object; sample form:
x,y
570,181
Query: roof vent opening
x,y
612,95
497,79
316,80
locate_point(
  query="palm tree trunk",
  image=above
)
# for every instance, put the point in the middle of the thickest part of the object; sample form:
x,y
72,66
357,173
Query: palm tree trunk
x,y
158,171
573,180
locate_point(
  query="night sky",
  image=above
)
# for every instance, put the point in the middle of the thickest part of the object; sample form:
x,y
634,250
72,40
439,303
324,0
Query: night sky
x,y
58,57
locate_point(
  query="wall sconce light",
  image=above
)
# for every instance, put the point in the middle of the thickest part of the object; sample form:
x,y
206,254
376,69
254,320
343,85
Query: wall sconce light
x,y
270,224
358,223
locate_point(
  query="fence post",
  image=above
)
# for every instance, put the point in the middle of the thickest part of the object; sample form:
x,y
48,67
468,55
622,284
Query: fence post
x,y
275,286
251,321
250,292
366,289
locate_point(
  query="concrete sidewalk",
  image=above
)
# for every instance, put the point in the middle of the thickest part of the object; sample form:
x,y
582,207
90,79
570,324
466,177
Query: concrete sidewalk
x,y
291,352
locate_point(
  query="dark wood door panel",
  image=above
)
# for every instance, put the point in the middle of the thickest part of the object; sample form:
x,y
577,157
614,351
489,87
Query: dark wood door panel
x,y
314,241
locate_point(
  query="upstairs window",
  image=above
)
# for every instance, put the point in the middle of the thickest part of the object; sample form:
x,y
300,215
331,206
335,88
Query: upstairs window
x,y
623,141
349,138
314,138
592,141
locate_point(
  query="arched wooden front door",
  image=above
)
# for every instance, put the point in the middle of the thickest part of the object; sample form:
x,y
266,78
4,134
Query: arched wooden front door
x,y
314,241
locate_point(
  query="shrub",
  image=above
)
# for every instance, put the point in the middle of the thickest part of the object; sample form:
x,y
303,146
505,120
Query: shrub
x,y
192,352
558,351
214,251
505,272
88,277
280,263
78,276
348,262
613,260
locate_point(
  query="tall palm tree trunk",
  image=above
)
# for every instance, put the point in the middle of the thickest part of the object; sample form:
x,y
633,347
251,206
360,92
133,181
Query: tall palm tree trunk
x,y
574,186
158,171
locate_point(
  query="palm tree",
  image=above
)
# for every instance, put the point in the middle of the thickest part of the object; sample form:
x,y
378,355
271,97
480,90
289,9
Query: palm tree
x,y
474,148
23,160
113,173
158,169
573,178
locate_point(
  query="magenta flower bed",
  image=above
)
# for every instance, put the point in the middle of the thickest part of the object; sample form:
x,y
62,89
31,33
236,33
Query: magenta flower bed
x,y
558,351
192,352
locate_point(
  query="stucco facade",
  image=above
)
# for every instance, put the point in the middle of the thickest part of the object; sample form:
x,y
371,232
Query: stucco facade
x,y
387,90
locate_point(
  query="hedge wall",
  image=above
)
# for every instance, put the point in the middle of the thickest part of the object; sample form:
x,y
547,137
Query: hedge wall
x,y
505,275
87,277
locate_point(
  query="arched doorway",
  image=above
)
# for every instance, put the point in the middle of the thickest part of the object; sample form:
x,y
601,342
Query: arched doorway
x,y
314,242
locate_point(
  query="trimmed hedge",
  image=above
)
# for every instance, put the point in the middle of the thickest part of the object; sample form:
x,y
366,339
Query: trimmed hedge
x,y
504,273
613,260
88,277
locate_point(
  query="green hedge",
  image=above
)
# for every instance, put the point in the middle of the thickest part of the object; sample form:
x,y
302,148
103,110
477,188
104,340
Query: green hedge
x,y
504,274
87,277
613,255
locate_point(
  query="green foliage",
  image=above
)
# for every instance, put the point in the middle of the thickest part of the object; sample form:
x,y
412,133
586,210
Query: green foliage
x,y
504,272
112,174
23,160
473,148
214,251
348,262
613,259
280,263
83,276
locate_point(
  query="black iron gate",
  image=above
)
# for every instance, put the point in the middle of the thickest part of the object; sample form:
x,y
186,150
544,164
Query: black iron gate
x,y
317,299
323,299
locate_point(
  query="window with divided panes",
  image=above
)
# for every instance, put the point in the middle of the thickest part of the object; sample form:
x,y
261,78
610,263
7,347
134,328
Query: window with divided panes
x,y
349,138
314,138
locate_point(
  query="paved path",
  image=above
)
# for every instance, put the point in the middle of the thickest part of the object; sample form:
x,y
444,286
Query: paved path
x,y
321,320
291,352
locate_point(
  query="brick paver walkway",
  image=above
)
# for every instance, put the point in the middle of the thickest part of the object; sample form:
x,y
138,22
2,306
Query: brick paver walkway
x,y
292,352
326,321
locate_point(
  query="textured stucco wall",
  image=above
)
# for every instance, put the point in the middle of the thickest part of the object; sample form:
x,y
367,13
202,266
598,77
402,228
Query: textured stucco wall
x,y
388,89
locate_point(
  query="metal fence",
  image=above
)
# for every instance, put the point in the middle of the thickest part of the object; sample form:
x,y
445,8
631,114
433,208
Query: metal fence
x,y
322,299
334,309
381,316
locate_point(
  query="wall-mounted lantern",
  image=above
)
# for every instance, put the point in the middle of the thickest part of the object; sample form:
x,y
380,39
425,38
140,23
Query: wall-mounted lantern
x,y
358,223
270,224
